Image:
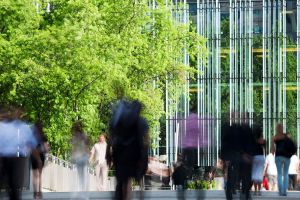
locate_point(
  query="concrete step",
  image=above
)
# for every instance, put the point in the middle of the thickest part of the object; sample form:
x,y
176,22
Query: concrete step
x,y
164,195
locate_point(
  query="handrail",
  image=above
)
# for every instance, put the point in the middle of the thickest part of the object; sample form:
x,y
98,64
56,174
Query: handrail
x,y
67,164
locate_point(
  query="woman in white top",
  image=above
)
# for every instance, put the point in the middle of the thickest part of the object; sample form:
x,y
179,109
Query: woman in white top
x,y
271,171
293,171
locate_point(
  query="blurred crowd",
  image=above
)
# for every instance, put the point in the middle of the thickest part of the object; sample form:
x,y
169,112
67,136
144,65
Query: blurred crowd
x,y
243,155
244,161
126,150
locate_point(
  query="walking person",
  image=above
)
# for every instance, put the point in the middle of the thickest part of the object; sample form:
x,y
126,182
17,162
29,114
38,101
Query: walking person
x,y
16,143
282,145
80,154
98,153
42,148
258,160
271,171
179,177
231,158
247,141
130,143
293,171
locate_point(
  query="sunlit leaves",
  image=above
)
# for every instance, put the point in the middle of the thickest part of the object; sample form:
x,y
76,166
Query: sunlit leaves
x,y
78,59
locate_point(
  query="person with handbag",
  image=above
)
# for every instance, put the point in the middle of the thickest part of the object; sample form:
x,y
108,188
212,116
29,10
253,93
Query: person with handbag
x,y
258,160
271,171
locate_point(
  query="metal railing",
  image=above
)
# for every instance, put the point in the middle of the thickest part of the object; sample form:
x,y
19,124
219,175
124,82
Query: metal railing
x,y
67,164
61,176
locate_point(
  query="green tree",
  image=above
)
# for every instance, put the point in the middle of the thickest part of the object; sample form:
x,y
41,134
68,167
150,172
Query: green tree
x,y
74,60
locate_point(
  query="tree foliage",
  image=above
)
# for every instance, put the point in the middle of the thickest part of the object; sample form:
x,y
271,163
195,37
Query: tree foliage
x,y
74,58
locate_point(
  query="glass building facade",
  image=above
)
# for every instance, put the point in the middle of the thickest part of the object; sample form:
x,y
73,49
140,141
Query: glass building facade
x,y
252,69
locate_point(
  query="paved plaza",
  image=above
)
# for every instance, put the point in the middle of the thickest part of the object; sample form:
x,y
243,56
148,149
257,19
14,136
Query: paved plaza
x,y
164,195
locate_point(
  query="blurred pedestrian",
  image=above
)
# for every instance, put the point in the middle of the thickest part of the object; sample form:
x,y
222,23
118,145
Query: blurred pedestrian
x,y
248,143
258,160
231,157
16,143
80,154
130,142
98,153
237,152
194,137
282,145
37,163
271,171
179,177
293,171
179,173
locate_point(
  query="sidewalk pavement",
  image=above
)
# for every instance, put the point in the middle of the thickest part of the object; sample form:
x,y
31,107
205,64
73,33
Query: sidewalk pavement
x,y
164,195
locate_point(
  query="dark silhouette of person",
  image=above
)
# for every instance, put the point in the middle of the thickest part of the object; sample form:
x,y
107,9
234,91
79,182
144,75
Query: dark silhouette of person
x,y
231,157
129,144
41,148
179,177
248,143
284,148
237,152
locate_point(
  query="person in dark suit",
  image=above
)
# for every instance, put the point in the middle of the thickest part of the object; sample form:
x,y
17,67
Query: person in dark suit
x,y
179,177
247,142
237,152
129,144
231,157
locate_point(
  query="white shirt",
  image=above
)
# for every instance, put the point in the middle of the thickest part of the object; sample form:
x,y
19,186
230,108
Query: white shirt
x,y
270,161
99,152
294,163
